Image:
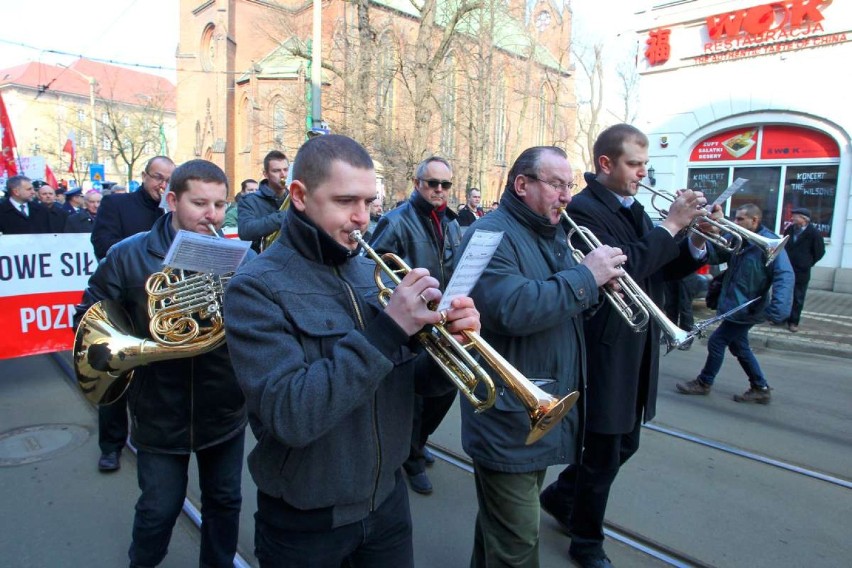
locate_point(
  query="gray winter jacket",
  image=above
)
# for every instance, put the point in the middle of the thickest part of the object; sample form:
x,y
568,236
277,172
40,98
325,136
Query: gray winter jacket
x,y
258,215
328,376
529,299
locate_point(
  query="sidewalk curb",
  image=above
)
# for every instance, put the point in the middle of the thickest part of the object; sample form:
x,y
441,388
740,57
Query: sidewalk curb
x,y
796,346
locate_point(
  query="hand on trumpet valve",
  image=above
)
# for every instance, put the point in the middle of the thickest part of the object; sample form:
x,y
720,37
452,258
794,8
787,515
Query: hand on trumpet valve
x,y
410,305
688,206
462,316
605,263
716,214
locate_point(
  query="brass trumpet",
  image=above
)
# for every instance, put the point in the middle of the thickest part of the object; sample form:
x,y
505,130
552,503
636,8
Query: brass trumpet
x,y
637,308
770,247
544,410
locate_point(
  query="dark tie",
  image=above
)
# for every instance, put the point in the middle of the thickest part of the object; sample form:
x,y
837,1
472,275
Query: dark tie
x,y
24,210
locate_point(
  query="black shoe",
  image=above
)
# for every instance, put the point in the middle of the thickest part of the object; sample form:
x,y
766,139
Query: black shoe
x,y
755,395
109,461
556,507
428,457
591,560
695,386
420,483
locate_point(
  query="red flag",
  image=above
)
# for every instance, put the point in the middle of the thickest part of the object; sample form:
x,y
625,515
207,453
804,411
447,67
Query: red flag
x,y
49,177
7,143
70,148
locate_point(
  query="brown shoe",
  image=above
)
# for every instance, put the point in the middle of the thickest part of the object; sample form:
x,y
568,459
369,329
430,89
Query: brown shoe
x,y
695,386
793,327
755,395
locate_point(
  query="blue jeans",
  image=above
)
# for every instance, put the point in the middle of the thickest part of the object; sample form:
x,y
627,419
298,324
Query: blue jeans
x,y
734,336
163,479
285,537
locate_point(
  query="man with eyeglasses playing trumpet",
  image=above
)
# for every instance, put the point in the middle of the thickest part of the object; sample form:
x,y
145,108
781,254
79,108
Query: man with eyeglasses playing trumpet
x,y
121,216
531,296
623,362
180,406
329,374
425,232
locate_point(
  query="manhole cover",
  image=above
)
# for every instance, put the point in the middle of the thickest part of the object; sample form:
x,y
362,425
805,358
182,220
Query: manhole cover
x,y
37,443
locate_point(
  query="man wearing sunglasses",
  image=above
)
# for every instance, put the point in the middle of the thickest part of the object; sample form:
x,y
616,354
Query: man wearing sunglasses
x,y
426,234
119,216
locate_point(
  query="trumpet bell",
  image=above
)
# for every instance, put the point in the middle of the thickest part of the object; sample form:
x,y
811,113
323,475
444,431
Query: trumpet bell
x,y
548,414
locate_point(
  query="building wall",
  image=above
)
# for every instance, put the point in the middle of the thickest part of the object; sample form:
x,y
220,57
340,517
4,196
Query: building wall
x,y
228,88
790,75
42,122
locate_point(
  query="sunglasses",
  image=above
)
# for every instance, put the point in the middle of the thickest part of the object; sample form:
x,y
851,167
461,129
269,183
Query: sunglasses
x,y
434,183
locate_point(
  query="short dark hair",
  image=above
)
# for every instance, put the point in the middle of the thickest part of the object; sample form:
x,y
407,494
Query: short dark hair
x,y
154,159
421,167
274,155
470,190
610,142
527,163
315,157
751,210
245,182
199,170
15,182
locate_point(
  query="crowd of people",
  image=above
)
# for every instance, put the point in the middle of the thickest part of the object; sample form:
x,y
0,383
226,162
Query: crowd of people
x,y
334,382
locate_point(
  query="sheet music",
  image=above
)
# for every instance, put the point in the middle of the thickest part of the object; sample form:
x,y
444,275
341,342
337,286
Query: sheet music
x,y
206,253
732,189
476,257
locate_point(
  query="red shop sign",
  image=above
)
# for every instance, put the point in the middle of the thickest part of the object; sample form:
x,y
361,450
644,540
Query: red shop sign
x,y
795,143
739,144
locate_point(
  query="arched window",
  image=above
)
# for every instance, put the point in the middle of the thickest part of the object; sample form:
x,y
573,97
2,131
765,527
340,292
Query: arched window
x,y
545,115
500,124
386,67
208,48
448,108
278,124
244,126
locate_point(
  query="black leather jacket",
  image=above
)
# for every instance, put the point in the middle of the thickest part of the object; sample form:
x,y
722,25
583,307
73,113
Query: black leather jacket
x,y
179,405
409,232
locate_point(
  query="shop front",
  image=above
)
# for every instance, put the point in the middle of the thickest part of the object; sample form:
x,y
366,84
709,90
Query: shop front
x,y
754,91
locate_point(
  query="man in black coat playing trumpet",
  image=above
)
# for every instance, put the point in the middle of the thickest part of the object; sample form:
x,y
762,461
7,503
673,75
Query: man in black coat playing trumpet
x,y
622,364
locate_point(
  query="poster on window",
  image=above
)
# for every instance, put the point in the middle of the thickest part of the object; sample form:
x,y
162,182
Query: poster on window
x,y
710,181
739,144
814,188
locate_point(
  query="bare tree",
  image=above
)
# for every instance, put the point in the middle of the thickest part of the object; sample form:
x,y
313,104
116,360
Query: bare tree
x,y
132,131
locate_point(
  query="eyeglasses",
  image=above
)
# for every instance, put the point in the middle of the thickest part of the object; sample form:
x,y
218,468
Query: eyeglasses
x,y
157,177
434,183
560,187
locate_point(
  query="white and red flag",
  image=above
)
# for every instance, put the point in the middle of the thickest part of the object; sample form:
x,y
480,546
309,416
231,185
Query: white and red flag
x,y
7,143
70,148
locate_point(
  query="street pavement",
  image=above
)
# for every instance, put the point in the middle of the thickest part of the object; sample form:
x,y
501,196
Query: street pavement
x,y
59,511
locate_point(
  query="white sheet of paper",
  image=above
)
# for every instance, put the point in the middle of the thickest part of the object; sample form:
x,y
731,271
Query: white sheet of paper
x,y
476,257
732,189
206,253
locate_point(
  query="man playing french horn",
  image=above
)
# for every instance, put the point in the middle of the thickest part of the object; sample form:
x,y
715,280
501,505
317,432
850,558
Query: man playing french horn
x,y
329,374
184,405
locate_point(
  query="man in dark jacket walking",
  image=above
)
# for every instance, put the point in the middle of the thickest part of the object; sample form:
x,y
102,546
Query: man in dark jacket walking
x,y
425,233
622,365
19,214
121,216
747,277
531,295
84,220
329,374
805,248
259,213
55,214
179,406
